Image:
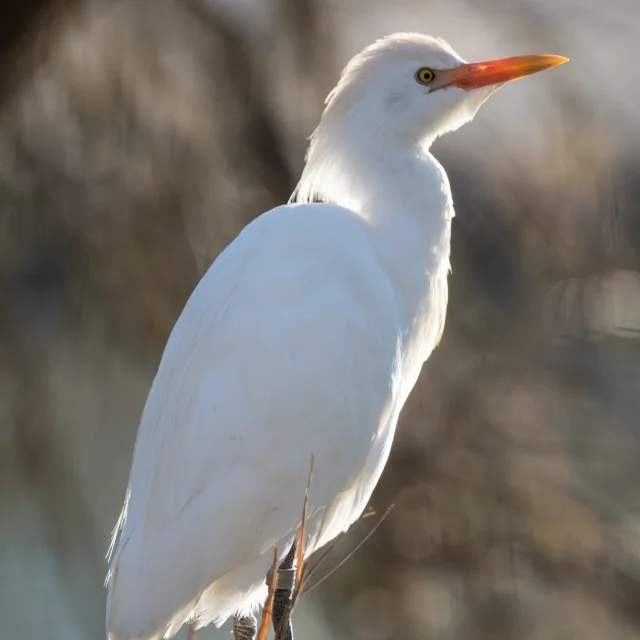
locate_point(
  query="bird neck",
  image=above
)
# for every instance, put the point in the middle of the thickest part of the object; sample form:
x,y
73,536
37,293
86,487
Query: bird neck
x,y
395,188
403,194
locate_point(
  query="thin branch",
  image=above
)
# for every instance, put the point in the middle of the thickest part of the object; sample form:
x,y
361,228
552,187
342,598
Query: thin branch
x,y
347,557
329,548
268,607
310,570
284,623
300,563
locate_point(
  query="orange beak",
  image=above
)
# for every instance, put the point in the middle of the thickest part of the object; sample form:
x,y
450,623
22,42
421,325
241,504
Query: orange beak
x,y
473,75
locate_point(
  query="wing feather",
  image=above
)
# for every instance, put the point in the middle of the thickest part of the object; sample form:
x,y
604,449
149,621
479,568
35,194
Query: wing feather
x,y
285,347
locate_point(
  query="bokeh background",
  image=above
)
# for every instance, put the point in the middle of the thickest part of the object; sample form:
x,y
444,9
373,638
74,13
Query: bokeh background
x,y
137,137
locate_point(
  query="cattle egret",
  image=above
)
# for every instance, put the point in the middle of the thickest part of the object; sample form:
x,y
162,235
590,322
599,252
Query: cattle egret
x,y
304,338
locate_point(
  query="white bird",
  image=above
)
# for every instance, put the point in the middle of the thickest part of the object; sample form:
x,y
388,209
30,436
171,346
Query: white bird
x,y
306,335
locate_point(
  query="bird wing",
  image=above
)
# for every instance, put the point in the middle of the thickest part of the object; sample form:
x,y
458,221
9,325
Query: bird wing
x,y
287,346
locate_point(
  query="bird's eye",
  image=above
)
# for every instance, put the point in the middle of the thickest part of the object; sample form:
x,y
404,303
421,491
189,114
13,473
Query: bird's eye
x,y
425,76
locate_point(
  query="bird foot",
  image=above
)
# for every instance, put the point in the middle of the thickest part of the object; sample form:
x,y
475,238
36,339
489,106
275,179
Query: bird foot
x,y
281,603
245,627
285,581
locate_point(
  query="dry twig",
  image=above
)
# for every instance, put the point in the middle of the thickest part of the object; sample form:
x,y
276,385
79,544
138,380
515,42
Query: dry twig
x,y
268,607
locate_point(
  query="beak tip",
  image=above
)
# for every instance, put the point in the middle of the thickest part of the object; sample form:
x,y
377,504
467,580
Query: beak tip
x,y
557,60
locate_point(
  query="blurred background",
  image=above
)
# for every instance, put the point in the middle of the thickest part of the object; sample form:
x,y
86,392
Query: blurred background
x,y
137,137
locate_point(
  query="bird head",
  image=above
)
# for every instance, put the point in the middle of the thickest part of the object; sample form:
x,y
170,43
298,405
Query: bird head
x,y
401,92
413,88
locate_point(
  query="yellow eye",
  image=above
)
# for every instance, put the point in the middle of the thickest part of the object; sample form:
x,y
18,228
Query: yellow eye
x,y
425,76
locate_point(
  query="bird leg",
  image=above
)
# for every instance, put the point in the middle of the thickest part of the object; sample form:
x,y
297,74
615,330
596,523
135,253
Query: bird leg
x,y
245,627
282,596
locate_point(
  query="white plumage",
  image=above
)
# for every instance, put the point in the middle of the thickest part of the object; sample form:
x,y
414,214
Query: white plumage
x,y
306,335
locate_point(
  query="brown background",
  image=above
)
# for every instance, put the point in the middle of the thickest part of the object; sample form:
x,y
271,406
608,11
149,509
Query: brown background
x,y
138,137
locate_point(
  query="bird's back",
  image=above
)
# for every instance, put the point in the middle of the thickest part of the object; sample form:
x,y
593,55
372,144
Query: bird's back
x,y
289,345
